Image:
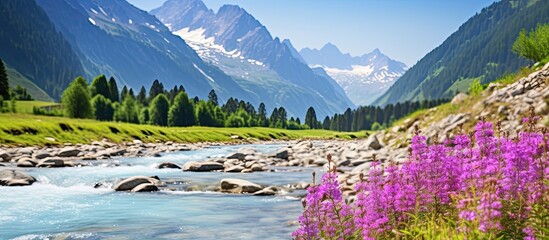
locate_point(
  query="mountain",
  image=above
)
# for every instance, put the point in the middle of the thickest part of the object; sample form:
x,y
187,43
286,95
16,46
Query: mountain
x,y
364,78
479,49
115,38
242,47
34,51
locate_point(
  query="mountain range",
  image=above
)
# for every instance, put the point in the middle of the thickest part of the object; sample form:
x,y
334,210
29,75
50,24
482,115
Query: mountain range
x,y
242,47
113,37
480,49
364,78
117,39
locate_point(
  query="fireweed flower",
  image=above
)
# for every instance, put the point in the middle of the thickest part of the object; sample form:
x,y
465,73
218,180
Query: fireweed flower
x,y
480,181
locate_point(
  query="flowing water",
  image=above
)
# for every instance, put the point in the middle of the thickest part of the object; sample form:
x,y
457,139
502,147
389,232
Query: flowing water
x,y
65,205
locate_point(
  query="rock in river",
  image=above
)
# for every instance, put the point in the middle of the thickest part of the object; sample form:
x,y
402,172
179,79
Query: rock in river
x,y
15,178
233,185
134,184
202,166
169,165
145,187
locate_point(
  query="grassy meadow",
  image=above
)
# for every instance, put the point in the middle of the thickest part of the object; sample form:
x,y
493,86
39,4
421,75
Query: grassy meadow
x,y
26,129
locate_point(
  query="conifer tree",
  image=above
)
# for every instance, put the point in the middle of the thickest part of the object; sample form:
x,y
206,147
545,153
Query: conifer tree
x,y
4,84
123,93
113,90
142,96
181,113
100,86
159,110
262,116
212,98
310,118
156,89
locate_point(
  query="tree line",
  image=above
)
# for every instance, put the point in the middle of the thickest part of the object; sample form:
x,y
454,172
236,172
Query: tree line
x,y
103,101
374,117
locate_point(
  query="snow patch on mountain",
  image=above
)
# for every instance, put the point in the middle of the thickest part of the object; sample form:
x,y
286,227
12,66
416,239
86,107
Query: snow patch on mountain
x,y
208,49
203,73
92,21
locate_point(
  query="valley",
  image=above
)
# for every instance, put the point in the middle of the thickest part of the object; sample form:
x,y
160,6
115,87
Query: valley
x,y
203,119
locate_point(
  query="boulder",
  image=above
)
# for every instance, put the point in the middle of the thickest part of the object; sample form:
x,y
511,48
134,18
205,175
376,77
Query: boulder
x,y
42,155
202,166
145,187
373,143
459,98
303,145
129,184
237,155
51,163
320,161
4,156
235,169
233,185
282,154
117,152
25,164
169,165
247,150
15,178
25,151
269,191
256,167
360,161
362,168
68,152
25,159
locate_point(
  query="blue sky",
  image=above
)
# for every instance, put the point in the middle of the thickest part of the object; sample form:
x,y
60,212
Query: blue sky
x,y
405,30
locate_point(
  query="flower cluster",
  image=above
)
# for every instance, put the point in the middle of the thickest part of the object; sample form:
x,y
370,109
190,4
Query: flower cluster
x,y
477,185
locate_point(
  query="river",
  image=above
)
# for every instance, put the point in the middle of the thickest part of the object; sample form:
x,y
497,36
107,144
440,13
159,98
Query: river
x,y
65,205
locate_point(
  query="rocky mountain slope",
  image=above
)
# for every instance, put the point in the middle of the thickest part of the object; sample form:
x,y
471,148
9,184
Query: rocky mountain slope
x,y
115,38
479,49
364,78
34,50
242,47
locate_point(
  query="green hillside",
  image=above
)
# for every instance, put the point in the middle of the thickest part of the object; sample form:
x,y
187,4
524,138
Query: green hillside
x,y
480,48
30,44
15,78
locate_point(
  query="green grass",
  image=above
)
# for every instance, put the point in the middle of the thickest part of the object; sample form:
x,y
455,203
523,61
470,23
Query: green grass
x,y
461,85
27,106
26,129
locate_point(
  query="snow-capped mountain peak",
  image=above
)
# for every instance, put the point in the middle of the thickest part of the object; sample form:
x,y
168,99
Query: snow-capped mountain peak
x,y
237,43
364,78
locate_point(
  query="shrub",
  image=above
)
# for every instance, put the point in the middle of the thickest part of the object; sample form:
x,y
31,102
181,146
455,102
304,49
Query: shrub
x,y
476,87
477,186
76,99
533,45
